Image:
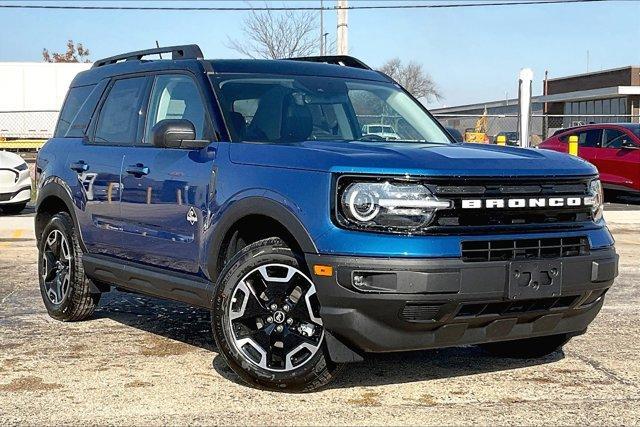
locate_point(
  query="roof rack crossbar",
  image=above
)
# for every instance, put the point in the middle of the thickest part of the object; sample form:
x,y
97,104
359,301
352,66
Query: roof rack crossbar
x,y
189,51
344,60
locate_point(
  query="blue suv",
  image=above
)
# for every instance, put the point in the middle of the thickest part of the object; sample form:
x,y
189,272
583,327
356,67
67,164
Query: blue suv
x,y
248,187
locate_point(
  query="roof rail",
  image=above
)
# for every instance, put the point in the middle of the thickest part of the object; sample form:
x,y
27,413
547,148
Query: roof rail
x,y
188,51
344,60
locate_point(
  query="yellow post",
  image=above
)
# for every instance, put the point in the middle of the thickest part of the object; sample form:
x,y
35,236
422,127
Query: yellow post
x,y
573,145
501,140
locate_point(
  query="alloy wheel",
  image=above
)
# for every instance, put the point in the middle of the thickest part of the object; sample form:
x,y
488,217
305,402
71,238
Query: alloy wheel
x,y
56,267
274,318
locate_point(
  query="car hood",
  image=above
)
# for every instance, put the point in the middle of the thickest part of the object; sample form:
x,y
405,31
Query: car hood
x,y
410,158
10,160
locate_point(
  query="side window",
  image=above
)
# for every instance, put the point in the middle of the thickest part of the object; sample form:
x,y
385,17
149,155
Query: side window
x,y
613,138
72,104
120,113
176,97
590,138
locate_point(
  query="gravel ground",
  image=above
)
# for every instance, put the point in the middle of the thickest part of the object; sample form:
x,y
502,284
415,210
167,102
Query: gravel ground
x,y
146,361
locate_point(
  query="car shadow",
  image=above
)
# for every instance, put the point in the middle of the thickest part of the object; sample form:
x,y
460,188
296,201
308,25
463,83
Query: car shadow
x,y
191,326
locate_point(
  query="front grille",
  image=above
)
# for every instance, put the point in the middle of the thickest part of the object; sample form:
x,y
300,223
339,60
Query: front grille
x,y
515,307
524,249
419,312
466,220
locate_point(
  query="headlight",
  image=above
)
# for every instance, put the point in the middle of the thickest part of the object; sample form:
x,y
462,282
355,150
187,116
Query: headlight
x,y
388,206
22,167
595,199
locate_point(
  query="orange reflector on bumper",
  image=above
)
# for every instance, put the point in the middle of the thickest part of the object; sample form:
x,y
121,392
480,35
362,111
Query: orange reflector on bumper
x,y
322,270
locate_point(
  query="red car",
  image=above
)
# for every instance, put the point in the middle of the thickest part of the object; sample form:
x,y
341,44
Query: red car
x,y
613,148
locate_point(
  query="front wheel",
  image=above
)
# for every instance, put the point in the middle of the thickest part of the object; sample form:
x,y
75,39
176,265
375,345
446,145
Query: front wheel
x,y
266,320
528,348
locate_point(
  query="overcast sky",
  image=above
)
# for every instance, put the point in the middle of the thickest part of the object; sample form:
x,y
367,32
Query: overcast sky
x,y
473,54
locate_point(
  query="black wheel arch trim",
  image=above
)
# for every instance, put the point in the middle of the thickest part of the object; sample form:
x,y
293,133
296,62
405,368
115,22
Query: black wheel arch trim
x,y
255,205
57,188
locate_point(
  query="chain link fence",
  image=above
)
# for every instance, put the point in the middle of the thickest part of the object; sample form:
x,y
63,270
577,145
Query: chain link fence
x,y
27,124
541,127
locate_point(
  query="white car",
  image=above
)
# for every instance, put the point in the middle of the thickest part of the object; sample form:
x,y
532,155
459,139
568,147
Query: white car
x,y
385,132
15,183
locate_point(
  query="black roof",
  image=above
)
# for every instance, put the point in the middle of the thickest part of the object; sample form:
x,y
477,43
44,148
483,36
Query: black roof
x,y
292,67
189,57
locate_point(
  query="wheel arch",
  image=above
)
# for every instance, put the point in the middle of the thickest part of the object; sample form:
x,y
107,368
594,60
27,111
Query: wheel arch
x,y
260,217
54,197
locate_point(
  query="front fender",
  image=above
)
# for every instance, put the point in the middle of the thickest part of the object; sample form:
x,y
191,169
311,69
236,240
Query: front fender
x,y
254,205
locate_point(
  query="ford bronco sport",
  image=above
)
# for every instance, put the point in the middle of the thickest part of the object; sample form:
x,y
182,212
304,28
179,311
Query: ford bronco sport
x,y
247,187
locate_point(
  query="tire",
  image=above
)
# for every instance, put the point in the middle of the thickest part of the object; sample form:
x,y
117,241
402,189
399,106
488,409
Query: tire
x,y
13,209
246,327
65,289
528,348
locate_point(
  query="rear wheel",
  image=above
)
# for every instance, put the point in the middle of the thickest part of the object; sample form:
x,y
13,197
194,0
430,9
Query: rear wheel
x,y
65,289
13,209
266,320
528,348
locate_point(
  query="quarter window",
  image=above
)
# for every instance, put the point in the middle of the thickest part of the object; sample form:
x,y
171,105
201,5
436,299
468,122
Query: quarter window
x,y
120,114
176,97
72,104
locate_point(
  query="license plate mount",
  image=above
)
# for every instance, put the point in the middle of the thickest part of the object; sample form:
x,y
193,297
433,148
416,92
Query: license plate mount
x,y
534,279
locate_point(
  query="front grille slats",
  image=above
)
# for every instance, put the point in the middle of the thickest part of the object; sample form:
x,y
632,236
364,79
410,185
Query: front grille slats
x,y
524,249
460,220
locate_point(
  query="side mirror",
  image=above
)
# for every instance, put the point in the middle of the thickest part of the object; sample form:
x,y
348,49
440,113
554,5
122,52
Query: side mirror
x,y
175,133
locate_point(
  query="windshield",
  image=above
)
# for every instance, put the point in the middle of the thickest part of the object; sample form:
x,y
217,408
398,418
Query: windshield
x,y
286,109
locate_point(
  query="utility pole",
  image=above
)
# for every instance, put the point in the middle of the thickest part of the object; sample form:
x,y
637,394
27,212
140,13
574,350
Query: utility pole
x,y
321,28
343,28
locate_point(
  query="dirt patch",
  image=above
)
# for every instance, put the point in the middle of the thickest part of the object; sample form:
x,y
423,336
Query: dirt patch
x,y
28,384
368,398
138,384
427,399
162,347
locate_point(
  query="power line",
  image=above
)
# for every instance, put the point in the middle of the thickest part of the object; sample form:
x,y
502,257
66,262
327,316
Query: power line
x,y
297,8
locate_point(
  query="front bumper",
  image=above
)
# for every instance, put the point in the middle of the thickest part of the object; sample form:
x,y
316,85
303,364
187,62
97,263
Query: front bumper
x,y
431,303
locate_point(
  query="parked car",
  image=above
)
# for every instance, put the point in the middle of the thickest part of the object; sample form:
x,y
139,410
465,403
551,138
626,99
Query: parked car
x,y
385,132
248,188
455,133
613,148
512,138
15,183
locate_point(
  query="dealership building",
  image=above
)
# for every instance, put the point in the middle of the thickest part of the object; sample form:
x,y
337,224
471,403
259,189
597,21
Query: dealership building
x,y
602,96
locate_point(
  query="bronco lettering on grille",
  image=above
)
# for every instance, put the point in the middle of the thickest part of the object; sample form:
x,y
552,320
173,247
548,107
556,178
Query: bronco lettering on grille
x,y
534,202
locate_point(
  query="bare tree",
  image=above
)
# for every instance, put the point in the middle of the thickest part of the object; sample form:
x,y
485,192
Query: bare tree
x,y
273,35
413,78
75,53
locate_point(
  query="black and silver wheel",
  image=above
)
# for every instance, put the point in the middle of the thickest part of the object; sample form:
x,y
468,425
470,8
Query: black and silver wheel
x,y
65,289
266,320
56,267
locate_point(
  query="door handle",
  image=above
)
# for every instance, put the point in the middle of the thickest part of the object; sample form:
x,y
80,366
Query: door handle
x,y
79,166
137,170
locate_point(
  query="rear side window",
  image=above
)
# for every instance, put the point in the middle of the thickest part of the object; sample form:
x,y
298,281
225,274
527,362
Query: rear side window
x,y
75,98
120,113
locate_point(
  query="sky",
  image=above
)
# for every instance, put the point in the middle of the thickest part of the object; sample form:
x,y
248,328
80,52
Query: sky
x,y
473,54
